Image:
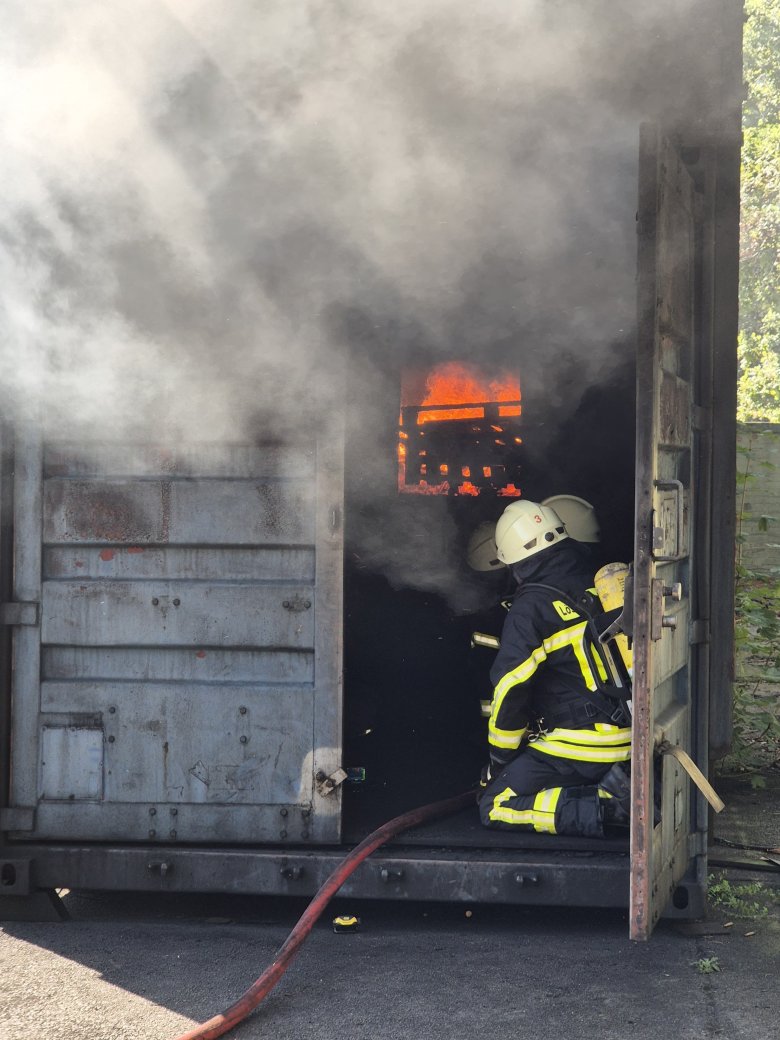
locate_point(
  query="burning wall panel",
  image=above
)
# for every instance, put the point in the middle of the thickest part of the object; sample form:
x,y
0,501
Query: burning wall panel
x,y
459,431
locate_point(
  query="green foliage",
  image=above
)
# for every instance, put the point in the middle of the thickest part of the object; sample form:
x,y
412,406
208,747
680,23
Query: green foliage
x,y
707,965
756,740
759,340
739,900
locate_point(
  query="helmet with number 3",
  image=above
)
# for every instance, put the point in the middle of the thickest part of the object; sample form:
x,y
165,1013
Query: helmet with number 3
x,y
526,528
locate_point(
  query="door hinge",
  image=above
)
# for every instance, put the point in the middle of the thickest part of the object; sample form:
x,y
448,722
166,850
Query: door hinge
x,y
19,613
697,844
328,784
701,417
700,631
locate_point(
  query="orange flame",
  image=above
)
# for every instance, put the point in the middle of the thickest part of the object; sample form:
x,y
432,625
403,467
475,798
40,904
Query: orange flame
x,y
455,383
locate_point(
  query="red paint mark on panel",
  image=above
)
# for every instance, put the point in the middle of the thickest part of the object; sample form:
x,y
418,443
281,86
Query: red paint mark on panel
x,y
78,563
201,653
107,554
135,549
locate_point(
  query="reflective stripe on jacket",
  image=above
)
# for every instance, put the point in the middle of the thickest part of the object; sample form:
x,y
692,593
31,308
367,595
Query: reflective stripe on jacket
x,y
544,665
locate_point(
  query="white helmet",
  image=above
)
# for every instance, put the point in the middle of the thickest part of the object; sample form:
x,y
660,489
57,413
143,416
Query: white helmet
x,y
579,517
526,528
481,553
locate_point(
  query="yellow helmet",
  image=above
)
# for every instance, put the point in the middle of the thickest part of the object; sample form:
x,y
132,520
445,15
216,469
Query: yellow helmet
x,y
526,528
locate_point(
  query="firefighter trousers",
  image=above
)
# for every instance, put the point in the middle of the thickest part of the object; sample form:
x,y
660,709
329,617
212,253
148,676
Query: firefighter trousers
x,y
546,794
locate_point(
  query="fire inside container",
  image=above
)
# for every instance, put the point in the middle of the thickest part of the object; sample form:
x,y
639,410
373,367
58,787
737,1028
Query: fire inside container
x,y
459,432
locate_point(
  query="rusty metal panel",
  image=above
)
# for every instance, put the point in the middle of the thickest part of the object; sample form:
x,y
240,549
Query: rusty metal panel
x,y
183,512
154,613
674,424
25,682
174,664
137,562
72,763
247,461
162,822
187,664
237,744
668,457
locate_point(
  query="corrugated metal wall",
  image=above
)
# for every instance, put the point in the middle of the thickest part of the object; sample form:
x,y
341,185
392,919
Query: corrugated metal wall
x,y
176,648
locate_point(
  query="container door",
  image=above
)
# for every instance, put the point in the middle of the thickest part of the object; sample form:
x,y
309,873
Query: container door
x,y
179,680
665,560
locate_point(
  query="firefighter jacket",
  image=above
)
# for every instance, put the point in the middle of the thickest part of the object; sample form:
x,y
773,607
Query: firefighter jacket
x,y
544,671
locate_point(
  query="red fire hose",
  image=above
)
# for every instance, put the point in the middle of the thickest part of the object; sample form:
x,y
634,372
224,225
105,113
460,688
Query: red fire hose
x,y
220,1024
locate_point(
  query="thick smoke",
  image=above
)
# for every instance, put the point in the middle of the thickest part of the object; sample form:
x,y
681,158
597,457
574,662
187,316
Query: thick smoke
x,y
209,209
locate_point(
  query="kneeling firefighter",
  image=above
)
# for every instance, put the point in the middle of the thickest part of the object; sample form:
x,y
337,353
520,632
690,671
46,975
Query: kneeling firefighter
x,y
556,736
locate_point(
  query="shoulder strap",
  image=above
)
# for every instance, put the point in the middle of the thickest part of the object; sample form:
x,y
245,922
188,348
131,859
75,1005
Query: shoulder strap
x,y
609,698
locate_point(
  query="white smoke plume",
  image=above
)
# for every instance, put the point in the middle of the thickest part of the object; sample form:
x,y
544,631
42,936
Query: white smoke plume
x,y
189,188
204,205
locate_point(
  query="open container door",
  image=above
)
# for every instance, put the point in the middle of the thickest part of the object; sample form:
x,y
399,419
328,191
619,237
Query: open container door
x,y
177,651
668,452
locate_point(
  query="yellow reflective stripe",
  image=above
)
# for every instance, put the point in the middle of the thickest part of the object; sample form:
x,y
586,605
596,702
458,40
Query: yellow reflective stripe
x,y
581,753
594,738
573,637
599,662
541,817
506,738
545,805
522,673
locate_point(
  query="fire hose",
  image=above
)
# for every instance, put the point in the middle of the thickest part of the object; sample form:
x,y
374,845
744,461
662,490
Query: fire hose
x,y
259,990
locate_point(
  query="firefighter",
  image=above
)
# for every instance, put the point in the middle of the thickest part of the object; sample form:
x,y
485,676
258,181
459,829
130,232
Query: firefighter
x,y
559,746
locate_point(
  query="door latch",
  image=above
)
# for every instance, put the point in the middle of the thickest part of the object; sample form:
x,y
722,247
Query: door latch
x,y
669,521
328,784
658,619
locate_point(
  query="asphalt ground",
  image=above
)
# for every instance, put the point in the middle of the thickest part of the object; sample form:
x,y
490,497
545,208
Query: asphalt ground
x,y
150,966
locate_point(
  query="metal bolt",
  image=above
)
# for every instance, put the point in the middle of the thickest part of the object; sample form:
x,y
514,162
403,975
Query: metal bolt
x,y
320,776
174,812
111,740
112,710
152,834
152,812
177,602
282,834
527,879
286,604
243,739
173,834
307,604
242,710
282,812
155,601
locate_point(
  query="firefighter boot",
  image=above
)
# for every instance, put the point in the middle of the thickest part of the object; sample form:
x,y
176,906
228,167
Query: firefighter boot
x,y
615,794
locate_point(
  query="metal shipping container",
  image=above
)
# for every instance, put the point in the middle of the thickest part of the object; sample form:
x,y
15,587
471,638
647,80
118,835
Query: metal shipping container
x,y
173,708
